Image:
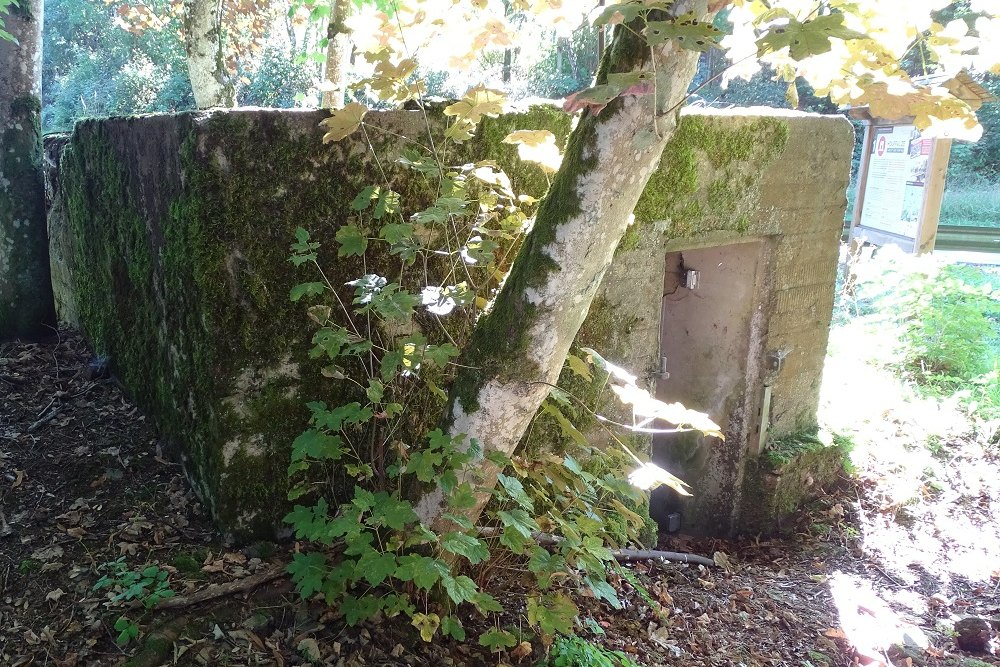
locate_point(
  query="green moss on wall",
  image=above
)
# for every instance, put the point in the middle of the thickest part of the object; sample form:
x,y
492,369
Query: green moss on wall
x,y
709,176
184,284
789,474
182,274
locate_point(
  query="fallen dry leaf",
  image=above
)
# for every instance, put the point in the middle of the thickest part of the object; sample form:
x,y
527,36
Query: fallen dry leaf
x,y
521,651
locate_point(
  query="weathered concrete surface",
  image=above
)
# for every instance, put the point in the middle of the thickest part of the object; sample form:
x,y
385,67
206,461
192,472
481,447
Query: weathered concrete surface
x,y
26,309
758,210
60,240
175,242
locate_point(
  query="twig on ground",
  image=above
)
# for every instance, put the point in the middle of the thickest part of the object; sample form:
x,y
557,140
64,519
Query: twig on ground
x,y
633,555
49,416
222,590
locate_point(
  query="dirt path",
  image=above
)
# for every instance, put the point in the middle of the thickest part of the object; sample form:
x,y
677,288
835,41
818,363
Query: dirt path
x,y
82,484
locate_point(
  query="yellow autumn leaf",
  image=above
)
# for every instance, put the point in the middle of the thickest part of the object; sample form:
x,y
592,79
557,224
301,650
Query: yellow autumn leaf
x,y
391,82
343,122
537,146
427,624
529,137
477,103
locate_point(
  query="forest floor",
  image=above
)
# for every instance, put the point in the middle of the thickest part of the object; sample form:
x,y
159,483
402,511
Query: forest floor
x,y
894,556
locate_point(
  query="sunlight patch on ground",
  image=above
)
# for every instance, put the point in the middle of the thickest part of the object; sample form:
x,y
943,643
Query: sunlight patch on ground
x,y
936,514
867,621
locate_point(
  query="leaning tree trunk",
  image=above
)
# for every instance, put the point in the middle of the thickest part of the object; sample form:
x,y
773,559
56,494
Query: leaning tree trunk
x,y
518,349
210,82
338,55
26,305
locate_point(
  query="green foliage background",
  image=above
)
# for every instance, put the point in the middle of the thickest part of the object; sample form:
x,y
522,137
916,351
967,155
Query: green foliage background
x,y
93,67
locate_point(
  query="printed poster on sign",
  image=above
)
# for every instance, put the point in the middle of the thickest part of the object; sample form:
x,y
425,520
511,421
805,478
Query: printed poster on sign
x,y
897,175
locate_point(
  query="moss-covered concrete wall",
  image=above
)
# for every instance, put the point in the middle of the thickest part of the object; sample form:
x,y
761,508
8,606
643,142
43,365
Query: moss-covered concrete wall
x,y
174,238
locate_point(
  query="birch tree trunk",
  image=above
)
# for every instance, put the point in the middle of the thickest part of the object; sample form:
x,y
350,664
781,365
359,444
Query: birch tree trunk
x,y
210,82
518,349
26,305
338,55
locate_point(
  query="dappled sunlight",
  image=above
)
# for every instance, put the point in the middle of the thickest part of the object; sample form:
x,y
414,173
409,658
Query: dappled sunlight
x,y
928,507
868,622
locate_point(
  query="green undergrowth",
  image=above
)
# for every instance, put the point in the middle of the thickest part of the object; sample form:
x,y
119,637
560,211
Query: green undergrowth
x,y
578,652
939,322
971,202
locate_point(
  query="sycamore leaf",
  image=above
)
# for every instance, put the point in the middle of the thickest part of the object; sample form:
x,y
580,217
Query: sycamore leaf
x,y
389,81
519,520
317,445
352,241
579,367
486,603
806,39
626,12
565,425
460,589
421,570
306,289
466,545
343,122
545,565
451,626
515,491
496,640
375,566
552,613
356,610
604,591
538,146
427,624
686,31
307,572
477,103
617,85
792,95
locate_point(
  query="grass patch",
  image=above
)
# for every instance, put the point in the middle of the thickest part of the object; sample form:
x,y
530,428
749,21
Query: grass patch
x,y
971,203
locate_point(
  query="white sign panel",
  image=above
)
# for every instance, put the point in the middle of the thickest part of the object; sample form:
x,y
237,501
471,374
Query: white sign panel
x,y
897,174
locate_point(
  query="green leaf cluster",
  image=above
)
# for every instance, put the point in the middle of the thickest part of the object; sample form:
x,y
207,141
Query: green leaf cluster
x,y
367,551
148,585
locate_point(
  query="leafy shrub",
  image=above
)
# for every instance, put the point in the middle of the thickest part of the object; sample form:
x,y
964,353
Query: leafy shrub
x,y
578,652
944,321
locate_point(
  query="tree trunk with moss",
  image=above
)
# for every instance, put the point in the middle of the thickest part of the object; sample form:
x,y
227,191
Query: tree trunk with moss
x,y
338,55
210,82
26,305
518,349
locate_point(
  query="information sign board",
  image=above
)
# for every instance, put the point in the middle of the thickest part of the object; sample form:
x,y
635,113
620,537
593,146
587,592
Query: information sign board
x,y
896,182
